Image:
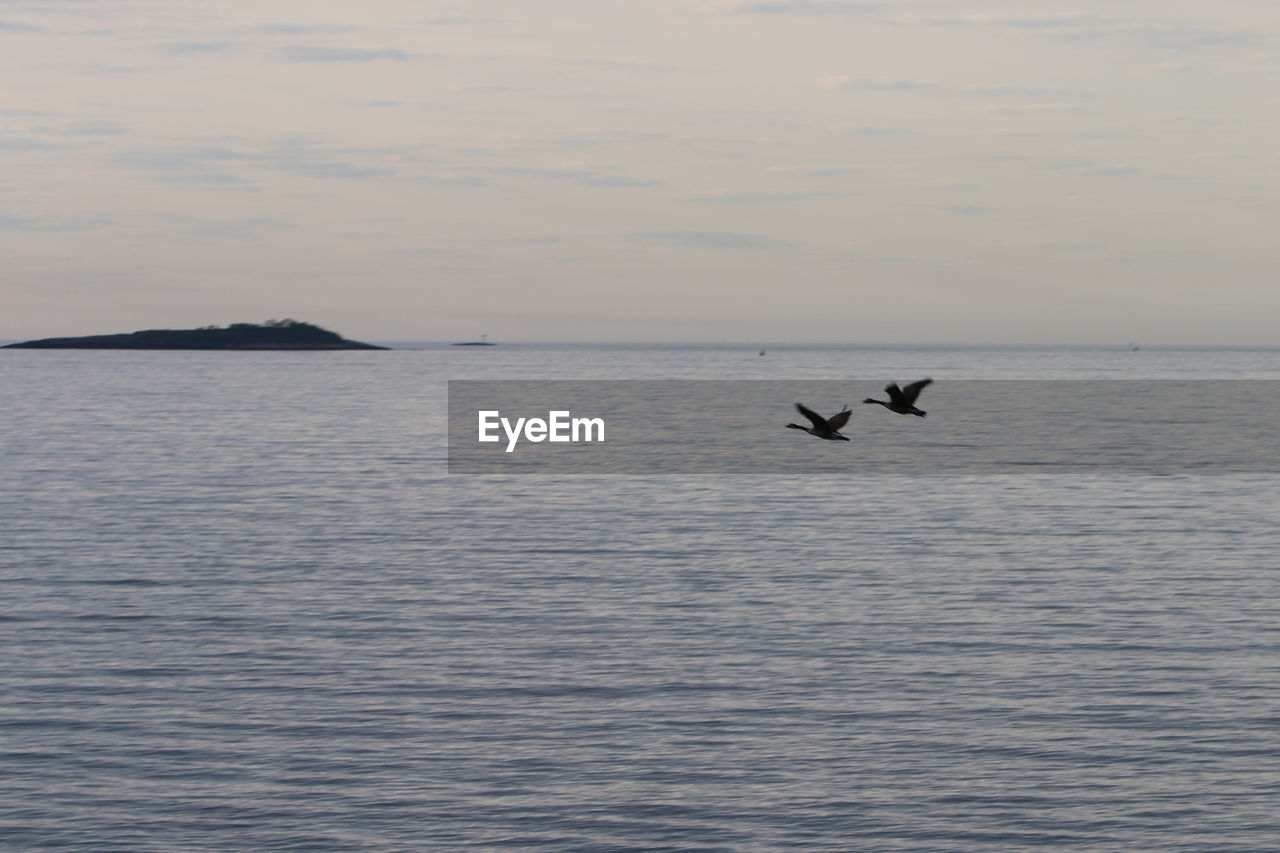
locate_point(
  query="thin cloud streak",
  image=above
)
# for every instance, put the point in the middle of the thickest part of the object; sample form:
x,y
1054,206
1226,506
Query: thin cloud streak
x,y
713,240
809,8
195,48
319,53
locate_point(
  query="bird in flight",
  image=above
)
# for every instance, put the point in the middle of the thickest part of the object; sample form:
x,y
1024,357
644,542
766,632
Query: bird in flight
x,y
902,400
828,428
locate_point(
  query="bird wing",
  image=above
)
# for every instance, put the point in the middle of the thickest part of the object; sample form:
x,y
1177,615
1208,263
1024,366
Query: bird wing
x,y
912,391
894,392
837,422
818,420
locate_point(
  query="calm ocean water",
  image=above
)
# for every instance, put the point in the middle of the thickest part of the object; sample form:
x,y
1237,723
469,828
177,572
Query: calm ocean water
x,y
246,609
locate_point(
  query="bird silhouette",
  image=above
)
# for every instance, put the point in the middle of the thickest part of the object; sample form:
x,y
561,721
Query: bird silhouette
x,y
828,428
902,400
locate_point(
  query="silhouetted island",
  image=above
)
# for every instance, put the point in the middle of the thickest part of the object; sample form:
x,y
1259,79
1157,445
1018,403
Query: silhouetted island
x,y
271,335
483,342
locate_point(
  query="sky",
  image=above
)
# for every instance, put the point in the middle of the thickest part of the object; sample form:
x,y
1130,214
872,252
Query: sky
x,y
759,171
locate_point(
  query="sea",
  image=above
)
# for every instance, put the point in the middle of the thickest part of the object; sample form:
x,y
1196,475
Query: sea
x,y
246,607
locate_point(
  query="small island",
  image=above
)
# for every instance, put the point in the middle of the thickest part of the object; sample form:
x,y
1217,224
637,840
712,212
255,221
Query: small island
x,y
271,335
483,342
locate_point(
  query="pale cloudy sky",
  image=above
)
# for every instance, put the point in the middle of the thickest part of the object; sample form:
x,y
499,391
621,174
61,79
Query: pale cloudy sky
x,y
708,170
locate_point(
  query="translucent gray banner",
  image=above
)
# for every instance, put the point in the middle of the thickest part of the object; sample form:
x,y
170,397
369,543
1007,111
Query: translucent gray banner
x,y
971,427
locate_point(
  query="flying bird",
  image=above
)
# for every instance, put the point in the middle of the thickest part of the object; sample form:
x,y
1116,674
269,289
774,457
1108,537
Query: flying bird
x,y
902,400
823,427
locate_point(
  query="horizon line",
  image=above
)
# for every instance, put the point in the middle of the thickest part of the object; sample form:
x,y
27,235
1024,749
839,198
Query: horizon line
x,y
800,344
